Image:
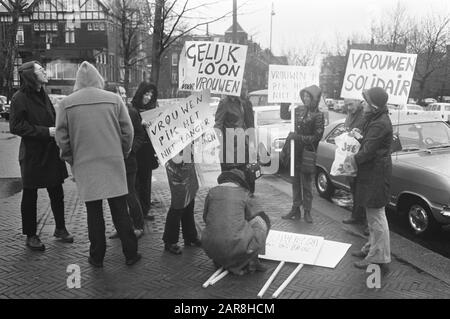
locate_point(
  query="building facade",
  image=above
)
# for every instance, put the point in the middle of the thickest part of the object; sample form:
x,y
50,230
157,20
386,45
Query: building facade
x,y
63,33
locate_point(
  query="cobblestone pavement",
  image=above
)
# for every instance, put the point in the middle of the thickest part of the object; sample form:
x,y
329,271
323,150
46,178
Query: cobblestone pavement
x,y
26,274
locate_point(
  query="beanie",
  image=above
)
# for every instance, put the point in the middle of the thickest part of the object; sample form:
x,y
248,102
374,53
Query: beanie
x,y
376,97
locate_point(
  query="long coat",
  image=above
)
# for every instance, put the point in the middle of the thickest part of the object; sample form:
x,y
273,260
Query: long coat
x,y
95,134
309,125
228,238
32,114
374,161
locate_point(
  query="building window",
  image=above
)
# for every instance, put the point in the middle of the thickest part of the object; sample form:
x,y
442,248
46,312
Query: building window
x,y
16,77
20,39
174,76
174,59
102,26
89,27
96,27
70,34
61,71
36,27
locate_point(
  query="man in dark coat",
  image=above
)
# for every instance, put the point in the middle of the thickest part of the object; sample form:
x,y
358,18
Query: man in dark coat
x,y
33,119
309,128
355,121
374,176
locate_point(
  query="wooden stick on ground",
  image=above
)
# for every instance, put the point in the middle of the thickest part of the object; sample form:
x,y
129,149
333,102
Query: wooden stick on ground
x,y
223,274
287,281
214,275
270,280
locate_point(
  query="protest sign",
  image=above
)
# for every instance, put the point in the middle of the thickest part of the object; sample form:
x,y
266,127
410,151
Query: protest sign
x,y
286,81
216,66
392,71
331,253
176,126
290,247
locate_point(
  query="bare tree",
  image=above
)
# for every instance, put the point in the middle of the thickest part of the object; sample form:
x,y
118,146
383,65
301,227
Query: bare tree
x,y
428,40
393,29
9,49
133,22
307,54
172,21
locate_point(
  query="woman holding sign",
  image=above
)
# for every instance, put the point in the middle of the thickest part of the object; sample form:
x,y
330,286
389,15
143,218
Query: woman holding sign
x,y
309,128
374,176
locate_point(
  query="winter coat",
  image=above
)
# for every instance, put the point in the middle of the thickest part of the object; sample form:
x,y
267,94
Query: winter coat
x,y
95,134
234,112
32,114
309,124
374,161
355,120
183,183
140,137
228,238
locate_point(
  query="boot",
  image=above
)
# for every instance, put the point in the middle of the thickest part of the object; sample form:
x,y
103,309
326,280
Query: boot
x,y
308,217
294,214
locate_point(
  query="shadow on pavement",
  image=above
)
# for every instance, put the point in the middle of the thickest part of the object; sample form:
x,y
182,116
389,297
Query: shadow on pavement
x,y
9,187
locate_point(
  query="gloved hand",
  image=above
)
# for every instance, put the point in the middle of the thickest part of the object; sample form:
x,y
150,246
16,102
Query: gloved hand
x,y
293,136
350,163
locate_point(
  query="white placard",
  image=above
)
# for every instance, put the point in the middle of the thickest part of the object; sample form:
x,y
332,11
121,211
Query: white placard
x,y
331,254
286,81
176,126
392,71
216,66
291,247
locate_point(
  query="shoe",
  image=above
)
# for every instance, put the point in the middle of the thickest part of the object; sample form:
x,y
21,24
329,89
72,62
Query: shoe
x,y
363,264
149,217
257,266
64,235
34,243
308,218
196,243
138,233
173,248
294,214
114,235
359,254
94,263
352,221
132,261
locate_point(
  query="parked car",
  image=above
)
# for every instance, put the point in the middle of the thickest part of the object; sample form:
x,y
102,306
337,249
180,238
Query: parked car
x,y
260,98
4,107
407,109
440,109
420,186
329,103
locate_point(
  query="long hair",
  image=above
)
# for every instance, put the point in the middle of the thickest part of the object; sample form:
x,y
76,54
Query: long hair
x,y
28,79
143,88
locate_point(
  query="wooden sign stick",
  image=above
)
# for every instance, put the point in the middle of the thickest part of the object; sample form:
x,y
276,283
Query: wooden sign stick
x,y
287,281
223,274
292,141
214,275
270,280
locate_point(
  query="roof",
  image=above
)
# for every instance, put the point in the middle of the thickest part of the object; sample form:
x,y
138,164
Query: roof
x,y
29,3
260,92
239,29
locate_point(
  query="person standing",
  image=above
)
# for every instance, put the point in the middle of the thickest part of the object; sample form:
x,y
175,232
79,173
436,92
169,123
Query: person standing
x,y
33,119
95,134
309,128
373,178
355,121
145,99
234,113
183,184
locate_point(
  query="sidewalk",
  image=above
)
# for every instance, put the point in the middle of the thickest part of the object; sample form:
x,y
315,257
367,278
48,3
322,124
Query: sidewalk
x,y
26,274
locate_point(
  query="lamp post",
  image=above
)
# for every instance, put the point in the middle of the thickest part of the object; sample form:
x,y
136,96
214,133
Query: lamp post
x,y
272,13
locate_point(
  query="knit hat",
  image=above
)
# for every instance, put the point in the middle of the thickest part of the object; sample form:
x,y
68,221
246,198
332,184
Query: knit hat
x,y
234,176
376,97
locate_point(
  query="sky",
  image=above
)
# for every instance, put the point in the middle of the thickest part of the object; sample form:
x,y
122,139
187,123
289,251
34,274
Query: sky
x,y
302,21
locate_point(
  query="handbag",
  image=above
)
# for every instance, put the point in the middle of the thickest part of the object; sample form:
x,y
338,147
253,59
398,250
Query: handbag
x,y
308,161
254,170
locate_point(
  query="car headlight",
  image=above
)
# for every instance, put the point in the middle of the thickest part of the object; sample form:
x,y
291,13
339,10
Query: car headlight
x,y
445,211
278,144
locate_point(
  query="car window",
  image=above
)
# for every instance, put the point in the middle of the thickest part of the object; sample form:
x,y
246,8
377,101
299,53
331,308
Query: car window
x,y
415,107
254,99
338,130
418,136
438,107
447,108
409,137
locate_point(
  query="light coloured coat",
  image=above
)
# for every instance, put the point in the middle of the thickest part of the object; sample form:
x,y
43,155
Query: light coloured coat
x,y
95,134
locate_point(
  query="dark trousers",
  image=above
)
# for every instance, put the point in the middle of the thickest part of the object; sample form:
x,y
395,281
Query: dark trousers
x,y
242,167
358,211
29,208
134,206
122,223
144,178
184,216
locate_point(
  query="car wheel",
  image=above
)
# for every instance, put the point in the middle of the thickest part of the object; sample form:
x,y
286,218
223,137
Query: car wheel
x,y
420,219
323,184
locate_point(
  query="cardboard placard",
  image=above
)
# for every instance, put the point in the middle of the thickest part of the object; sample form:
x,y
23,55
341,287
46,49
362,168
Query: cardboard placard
x,y
392,71
216,66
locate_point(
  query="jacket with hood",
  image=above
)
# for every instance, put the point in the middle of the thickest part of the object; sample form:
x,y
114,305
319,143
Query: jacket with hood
x,y
32,114
95,134
309,124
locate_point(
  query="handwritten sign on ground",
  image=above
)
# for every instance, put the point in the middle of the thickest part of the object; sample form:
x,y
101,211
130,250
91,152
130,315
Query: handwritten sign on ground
x,y
290,247
176,126
392,71
286,81
331,254
216,66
